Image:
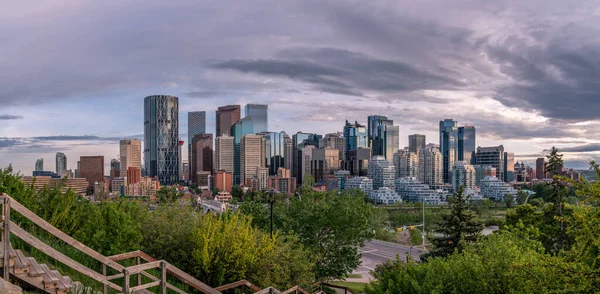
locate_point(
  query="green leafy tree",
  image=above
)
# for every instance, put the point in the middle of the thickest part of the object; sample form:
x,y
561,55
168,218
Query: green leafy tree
x,y
168,194
509,200
521,197
215,191
458,227
237,192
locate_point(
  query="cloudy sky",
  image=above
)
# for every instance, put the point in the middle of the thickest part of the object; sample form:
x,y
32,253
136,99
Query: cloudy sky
x,y
525,73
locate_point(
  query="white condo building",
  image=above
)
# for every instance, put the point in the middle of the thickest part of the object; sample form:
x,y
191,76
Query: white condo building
x,y
362,183
495,189
431,166
406,163
382,172
411,190
463,174
384,195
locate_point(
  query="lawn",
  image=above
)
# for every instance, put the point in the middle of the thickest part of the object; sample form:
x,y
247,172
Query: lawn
x,y
355,286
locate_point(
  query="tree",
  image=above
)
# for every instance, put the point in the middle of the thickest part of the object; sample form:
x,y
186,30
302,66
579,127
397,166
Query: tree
x,y
521,197
215,191
237,192
459,226
557,199
168,194
554,164
509,200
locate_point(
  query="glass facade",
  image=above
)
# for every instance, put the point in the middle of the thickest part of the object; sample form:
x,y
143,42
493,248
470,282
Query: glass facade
x,y
355,136
466,144
299,141
392,141
376,128
161,138
258,113
274,151
448,147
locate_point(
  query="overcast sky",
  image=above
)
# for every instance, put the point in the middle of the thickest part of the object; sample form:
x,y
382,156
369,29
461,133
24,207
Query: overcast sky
x,y
525,73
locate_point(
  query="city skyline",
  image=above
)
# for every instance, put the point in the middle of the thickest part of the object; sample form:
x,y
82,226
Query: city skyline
x,y
522,84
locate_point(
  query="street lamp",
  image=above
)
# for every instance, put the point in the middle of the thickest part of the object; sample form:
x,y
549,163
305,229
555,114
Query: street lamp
x,y
271,200
423,233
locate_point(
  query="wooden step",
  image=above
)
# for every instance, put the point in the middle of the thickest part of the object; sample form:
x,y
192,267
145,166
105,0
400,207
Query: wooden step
x,y
21,265
62,283
35,270
50,281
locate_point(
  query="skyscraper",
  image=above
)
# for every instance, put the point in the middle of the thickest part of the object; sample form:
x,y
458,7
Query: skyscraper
x,y
252,156
509,167
115,168
416,142
161,138
492,156
382,172
227,116
358,161
540,168
448,147
392,141
61,163
333,141
463,174
130,154
377,128
224,153
299,141
325,162
406,163
202,156
288,153
466,144
39,164
259,115
431,166
355,136
274,151
92,169
196,121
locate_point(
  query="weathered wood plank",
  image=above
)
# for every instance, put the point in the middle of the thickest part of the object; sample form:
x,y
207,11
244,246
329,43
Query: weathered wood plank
x,y
145,286
142,267
35,269
269,290
238,284
293,289
183,276
31,240
115,276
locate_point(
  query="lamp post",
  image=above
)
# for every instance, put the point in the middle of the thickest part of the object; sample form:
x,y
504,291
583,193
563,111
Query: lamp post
x,y
272,192
423,233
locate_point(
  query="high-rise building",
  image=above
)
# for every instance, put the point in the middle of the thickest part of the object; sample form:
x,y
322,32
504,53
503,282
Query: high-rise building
x,y
358,161
186,170
392,141
382,172
431,166
416,142
180,169
406,163
196,121
259,115
540,168
509,167
325,162
252,155
134,174
463,174
202,155
288,153
39,165
299,141
130,155
466,144
355,136
333,141
448,147
224,153
92,169
227,116
383,136
306,161
283,182
161,138
115,168
274,151
492,156
61,163
223,180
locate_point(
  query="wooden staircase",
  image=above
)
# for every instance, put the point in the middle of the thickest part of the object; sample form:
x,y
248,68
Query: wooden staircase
x,y
26,269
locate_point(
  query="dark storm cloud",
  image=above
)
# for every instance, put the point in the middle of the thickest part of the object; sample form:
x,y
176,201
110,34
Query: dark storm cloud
x,y
9,142
10,117
592,147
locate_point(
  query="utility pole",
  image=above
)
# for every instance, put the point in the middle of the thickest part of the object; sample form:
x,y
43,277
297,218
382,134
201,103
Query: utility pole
x,y
423,233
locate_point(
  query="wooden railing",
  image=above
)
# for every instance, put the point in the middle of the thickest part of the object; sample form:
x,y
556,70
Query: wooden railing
x,y
139,269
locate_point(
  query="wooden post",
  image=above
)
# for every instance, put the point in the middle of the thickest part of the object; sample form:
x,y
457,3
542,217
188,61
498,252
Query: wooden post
x,y
138,261
163,277
104,273
6,237
126,281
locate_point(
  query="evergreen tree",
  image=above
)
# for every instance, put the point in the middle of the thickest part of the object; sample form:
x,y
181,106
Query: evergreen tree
x,y
553,214
457,227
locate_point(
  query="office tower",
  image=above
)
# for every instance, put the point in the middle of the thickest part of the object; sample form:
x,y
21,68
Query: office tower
x,y
355,136
392,141
509,167
115,168
134,174
416,142
382,172
224,153
540,168
227,116
202,155
358,161
61,163
288,153
299,141
466,144
252,156
259,115
161,138
448,147
492,156
305,161
283,182
196,121
463,174
431,166
274,151
325,162
77,173
186,171
39,164
406,163
92,169
333,141
130,154
180,169
223,180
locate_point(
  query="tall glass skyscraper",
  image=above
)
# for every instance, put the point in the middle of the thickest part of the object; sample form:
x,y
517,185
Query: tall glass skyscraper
x,y
416,142
392,141
274,151
376,128
39,164
161,138
466,144
299,141
196,125
254,122
355,136
448,147
258,113
61,163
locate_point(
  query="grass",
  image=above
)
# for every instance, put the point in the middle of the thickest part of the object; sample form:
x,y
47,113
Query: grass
x,y
355,286
353,276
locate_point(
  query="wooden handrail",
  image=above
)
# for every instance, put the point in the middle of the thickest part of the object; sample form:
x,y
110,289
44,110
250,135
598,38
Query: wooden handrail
x,y
293,289
238,284
132,270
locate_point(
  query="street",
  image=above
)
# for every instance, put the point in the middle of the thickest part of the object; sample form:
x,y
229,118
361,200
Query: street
x,y
377,252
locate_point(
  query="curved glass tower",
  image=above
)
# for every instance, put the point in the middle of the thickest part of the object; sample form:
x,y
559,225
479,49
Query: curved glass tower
x,y
161,138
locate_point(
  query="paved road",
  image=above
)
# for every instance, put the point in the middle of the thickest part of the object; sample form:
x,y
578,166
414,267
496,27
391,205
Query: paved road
x,y
377,252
